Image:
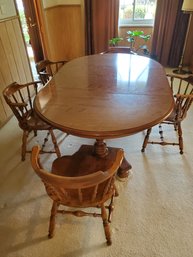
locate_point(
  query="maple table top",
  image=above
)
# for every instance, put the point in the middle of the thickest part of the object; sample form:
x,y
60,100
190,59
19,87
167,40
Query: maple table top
x,y
106,96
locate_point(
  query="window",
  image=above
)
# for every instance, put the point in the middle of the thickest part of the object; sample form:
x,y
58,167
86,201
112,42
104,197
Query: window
x,y
137,12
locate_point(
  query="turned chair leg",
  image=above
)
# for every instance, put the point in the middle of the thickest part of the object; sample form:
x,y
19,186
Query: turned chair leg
x,y
55,143
106,225
35,133
45,141
110,209
146,139
161,132
180,138
52,219
116,191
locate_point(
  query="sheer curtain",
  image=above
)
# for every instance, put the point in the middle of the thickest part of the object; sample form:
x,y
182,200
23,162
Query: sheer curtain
x,y
101,24
169,32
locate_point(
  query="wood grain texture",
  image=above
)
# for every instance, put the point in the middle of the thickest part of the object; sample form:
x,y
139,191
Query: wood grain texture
x,y
64,31
14,65
82,190
106,96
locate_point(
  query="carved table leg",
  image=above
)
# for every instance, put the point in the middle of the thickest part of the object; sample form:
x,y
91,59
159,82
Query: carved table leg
x,y
101,150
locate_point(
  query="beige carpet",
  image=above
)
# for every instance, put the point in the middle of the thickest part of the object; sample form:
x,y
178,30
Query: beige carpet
x,y
153,215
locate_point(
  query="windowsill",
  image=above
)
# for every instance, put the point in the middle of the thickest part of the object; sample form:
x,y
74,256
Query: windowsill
x,y
136,25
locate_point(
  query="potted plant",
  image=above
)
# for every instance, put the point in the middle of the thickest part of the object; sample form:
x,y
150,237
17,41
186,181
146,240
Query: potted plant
x,y
115,40
132,39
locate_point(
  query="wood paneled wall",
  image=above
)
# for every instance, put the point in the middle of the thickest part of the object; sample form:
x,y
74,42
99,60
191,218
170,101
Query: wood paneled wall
x,y
14,63
64,32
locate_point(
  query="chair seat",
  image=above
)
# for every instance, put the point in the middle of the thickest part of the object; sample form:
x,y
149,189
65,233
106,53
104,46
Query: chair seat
x,y
172,116
34,122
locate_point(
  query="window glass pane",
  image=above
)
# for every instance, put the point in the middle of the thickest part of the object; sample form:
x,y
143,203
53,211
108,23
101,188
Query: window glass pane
x,y
144,9
126,9
137,12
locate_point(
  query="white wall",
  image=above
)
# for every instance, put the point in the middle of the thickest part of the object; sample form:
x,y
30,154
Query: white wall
x,y
49,3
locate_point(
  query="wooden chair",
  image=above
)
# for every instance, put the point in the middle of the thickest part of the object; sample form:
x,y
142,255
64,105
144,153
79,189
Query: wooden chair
x,y
71,184
46,69
20,99
182,89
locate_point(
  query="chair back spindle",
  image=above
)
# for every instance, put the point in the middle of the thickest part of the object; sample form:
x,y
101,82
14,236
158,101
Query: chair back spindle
x,y
20,99
182,89
82,191
46,69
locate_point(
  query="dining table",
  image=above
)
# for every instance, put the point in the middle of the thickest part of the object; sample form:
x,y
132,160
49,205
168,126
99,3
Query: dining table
x,y
106,96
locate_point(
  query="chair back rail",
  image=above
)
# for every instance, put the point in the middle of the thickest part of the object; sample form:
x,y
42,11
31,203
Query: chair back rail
x,y
46,69
183,103
81,190
20,99
182,89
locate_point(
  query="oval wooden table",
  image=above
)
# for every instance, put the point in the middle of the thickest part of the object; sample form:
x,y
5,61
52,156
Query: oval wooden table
x,y
106,96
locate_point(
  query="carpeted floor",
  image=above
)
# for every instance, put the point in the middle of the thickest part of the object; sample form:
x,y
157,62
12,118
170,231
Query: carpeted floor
x,y
153,214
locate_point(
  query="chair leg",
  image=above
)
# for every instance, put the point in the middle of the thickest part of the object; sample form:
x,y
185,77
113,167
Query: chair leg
x,y
52,219
24,144
180,138
116,191
35,133
110,208
146,139
175,127
161,132
106,225
55,143
45,141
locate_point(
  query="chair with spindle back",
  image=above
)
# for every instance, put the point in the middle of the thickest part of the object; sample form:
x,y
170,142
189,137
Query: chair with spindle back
x,y
182,89
20,97
46,69
71,185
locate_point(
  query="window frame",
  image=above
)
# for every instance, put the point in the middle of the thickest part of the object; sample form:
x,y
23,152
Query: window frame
x,y
135,22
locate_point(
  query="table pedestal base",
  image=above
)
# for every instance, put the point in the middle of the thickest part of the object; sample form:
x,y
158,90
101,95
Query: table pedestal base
x,y
85,161
101,150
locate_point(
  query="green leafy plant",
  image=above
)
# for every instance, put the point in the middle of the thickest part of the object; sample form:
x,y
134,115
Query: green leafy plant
x,y
132,39
114,41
